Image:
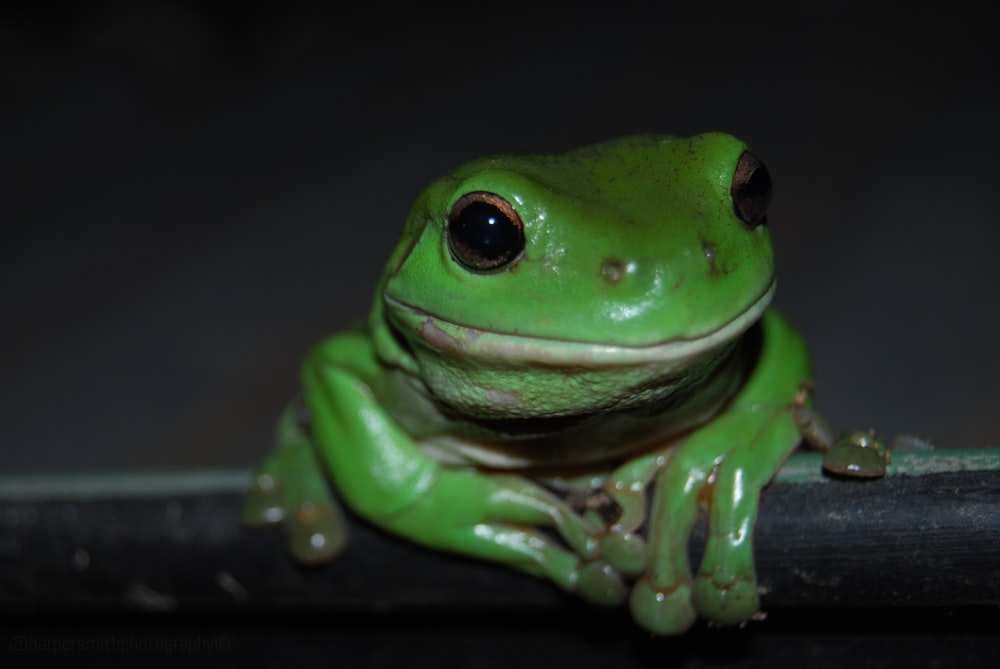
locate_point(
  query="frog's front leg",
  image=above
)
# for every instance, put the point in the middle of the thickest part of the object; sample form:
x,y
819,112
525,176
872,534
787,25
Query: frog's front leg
x,y
727,481
725,589
722,466
661,600
383,475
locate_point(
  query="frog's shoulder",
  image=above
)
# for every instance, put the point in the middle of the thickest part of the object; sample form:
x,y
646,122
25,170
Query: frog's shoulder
x,y
352,350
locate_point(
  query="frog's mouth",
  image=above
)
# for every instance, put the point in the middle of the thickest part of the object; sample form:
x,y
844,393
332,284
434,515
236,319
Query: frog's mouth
x,y
504,349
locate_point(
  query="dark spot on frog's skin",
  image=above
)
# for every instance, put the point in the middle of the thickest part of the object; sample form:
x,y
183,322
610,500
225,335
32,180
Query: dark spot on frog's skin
x,y
613,269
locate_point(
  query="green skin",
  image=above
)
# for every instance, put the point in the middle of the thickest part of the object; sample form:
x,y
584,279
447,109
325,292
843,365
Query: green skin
x,y
629,349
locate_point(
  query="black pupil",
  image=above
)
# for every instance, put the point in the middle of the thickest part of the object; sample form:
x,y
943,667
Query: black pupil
x,y
484,237
759,184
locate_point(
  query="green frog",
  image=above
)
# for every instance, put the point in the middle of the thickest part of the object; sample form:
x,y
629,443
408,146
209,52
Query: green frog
x,y
555,340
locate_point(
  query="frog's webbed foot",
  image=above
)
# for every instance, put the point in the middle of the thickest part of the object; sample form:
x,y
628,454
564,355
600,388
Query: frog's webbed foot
x,y
289,487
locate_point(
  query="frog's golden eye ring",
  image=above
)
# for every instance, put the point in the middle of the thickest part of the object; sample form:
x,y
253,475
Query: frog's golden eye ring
x,y
485,234
751,190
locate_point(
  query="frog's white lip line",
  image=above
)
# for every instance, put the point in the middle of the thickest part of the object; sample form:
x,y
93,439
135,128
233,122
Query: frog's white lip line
x,y
449,337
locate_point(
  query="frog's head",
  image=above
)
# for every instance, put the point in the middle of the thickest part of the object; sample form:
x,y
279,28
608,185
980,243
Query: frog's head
x,y
551,285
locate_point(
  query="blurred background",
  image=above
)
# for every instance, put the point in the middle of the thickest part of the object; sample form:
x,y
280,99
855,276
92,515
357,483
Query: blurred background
x,y
191,194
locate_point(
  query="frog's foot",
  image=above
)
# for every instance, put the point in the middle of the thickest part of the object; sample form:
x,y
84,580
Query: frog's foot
x,y
537,554
732,601
598,582
289,487
625,551
265,503
317,532
858,455
623,546
499,517
622,512
661,609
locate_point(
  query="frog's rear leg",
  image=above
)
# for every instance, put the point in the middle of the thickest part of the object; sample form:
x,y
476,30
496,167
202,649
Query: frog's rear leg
x,y
381,472
290,486
763,426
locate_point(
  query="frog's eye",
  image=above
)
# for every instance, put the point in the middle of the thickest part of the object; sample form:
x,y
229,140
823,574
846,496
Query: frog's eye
x,y
751,190
484,232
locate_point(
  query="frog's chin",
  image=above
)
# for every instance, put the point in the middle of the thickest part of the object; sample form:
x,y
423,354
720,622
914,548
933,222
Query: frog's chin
x,y
514,350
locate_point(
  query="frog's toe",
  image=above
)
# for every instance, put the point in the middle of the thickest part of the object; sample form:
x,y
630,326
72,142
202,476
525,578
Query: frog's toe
x,y
859,455
630,505
265,503
813,428
625,551
317,533
600,583
728,604
662,610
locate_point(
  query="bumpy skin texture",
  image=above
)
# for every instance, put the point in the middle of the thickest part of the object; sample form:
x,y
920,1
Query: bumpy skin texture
x,y
522,413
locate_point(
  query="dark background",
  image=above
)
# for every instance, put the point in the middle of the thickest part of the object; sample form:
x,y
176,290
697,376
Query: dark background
x,y
194,193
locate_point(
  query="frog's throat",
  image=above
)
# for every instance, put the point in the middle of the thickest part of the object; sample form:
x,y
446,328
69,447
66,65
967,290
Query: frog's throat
x,y
487,346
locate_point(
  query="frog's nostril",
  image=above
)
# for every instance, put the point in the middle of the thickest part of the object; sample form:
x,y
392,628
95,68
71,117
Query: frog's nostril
x,y
614,269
